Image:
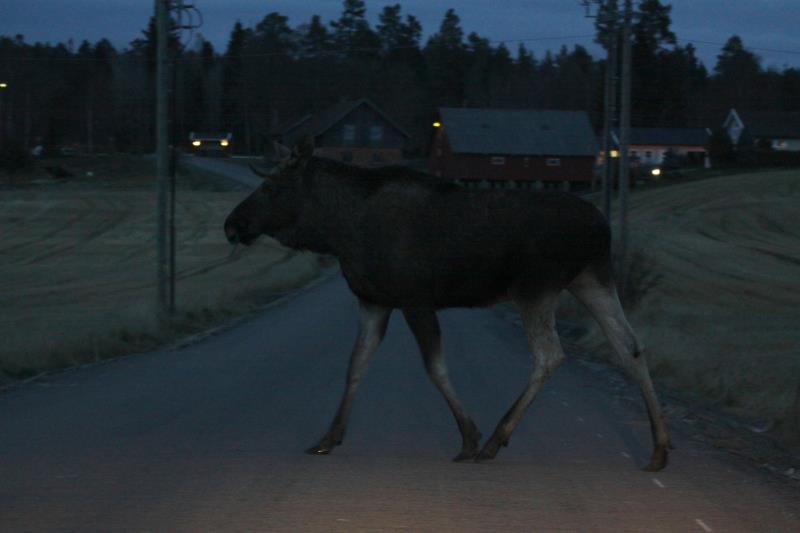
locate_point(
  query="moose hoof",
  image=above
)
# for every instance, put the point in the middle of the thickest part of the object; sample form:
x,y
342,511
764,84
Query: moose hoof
x,y
470,447
489,451
466,455
320,449
658,461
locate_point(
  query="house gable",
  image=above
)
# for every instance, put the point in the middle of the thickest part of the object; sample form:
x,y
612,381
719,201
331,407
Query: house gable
x,y
734,126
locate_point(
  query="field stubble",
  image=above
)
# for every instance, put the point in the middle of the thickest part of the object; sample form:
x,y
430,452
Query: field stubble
x,y
721,321
77,278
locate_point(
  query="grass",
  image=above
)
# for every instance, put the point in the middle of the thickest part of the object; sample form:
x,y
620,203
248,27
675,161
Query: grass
x,y
718,291
78,271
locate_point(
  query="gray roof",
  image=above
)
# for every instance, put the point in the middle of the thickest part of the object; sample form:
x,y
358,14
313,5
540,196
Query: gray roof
x,y
668,136
518,131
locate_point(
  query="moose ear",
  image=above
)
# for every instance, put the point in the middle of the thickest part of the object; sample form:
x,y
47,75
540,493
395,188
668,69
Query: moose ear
x,y
305,148
282,153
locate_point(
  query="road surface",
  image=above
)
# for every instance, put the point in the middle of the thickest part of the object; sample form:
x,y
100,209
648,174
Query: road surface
x,y
224,168
210,437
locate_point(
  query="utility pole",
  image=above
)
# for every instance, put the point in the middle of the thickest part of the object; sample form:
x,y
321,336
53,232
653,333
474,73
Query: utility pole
x,y
162,152
608,121
625,141
606,15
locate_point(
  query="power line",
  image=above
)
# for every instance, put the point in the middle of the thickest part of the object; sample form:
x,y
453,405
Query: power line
x,y
125,53
746,47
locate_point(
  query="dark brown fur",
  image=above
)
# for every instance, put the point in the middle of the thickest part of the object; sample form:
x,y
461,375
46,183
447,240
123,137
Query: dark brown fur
x,y
408,241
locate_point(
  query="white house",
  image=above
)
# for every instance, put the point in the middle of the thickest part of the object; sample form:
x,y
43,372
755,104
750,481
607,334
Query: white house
x,y
649,145
781,129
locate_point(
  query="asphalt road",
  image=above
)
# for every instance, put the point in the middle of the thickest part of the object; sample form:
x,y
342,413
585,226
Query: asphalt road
x,y
224,168
210,437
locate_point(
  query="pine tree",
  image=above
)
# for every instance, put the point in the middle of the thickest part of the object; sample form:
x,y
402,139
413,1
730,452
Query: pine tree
x,y
352,34
234,96
445,54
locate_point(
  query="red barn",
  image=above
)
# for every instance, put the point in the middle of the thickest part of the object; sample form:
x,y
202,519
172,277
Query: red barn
x,y
517,148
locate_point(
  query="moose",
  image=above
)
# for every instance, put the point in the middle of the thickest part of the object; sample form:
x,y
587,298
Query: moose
x,y
408,240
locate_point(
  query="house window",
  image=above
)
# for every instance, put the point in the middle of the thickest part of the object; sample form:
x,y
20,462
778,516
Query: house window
x,y
349,133
553,162
498,160
376,133
633,153
527,162
648,154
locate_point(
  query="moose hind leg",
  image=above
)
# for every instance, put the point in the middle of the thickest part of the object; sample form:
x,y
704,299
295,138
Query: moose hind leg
x,y
372,324
538,319
425,326
603,302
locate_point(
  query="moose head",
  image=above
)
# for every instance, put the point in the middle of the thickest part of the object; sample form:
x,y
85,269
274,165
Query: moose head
x,y
273,207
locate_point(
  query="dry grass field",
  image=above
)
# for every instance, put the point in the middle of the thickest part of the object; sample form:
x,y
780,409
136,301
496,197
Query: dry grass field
x,y
77,276
722,323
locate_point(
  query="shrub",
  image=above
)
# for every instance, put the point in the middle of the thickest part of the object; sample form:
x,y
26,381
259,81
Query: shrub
x,y
642,277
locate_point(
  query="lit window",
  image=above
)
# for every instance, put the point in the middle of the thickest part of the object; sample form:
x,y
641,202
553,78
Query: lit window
x,y
498,160
553,162
349,132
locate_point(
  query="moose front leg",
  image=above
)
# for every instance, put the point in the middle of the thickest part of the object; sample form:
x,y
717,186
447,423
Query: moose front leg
x,y
372,322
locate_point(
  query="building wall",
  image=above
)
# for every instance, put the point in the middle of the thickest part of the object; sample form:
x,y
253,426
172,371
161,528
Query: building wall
x,y
499,167
654,154
355,131
363,157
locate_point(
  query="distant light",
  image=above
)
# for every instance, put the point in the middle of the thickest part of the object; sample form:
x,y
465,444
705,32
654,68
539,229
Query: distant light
x,y
223,142
614,153
3,85
656,172
437,124
196,143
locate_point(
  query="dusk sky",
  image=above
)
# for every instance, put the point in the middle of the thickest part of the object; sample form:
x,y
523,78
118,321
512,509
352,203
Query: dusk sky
x,y
769,27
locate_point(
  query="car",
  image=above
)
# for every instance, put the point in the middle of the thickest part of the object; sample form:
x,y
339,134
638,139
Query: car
x,y
210,143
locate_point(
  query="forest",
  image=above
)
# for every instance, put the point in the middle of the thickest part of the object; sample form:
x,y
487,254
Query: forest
x,y
98,98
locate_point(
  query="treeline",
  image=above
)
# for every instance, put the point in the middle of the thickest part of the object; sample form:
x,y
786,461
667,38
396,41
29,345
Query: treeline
x,y
102,98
